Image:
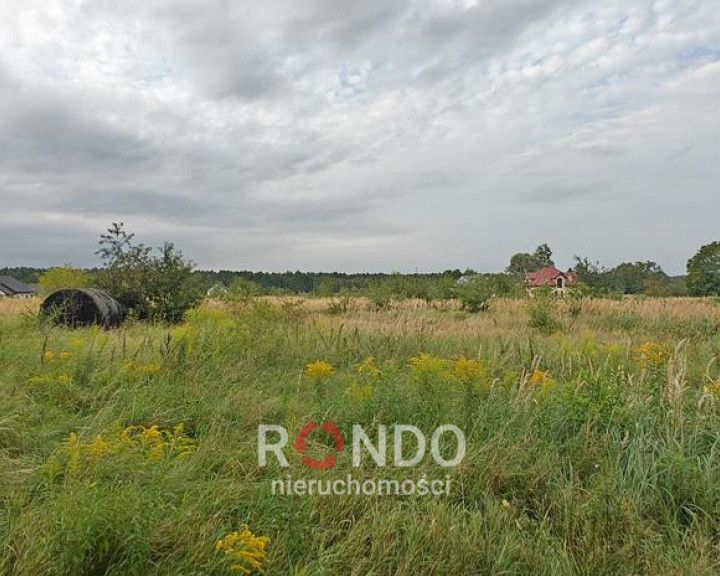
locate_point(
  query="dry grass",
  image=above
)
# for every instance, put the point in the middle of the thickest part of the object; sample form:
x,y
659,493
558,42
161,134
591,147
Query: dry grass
x,y
607,319
15,306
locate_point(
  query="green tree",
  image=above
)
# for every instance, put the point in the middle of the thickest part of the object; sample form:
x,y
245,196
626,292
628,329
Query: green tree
x,y
590,273
324,287
173,288
475,294
704,271
158,287
242,290
633,278
524,262
544,255
127,267
63,277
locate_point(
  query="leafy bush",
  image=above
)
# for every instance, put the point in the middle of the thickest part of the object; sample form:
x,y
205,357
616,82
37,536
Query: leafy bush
x,y
242,290
543,311
380,294
159,287
63,277
475,294
704,271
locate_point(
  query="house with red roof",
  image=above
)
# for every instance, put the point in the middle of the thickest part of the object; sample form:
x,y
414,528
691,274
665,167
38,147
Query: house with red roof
x,y
551,277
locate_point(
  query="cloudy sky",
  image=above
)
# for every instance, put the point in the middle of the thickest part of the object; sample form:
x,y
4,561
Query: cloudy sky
x,y
388,135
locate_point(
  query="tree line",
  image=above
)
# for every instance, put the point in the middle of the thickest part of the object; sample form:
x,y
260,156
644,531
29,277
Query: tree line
x,y
161,284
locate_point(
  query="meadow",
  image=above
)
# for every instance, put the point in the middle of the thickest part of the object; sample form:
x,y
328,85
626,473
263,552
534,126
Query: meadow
x,y
592,439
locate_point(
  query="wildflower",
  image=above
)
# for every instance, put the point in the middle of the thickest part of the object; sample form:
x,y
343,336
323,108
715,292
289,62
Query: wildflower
x,y
127,439
244,550
49,356
63,379
467,370
64,355
99,447
152,442
539,377
148,368
73,450
506,504
183,445
186,334
712,389
651,355
360,392
157,443
319,371
367,368
427,364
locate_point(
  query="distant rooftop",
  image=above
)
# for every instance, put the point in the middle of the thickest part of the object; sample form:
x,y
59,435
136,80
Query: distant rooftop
x,y
548,276
11,287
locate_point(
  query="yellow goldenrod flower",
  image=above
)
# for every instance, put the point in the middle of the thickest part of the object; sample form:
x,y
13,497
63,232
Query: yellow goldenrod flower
x,y
63,379
49,356
182,444
367,368
539,377
73,450
319,371
152,442
244,550
467,370
651,355
360,392
426,364
712,389
64,355
148,369
151,368
99,447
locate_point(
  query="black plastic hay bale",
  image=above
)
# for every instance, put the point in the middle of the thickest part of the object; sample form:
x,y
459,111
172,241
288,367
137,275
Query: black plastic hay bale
x,y
83,307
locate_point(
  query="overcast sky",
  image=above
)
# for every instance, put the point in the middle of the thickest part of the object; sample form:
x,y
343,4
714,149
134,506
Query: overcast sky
x,y
372,135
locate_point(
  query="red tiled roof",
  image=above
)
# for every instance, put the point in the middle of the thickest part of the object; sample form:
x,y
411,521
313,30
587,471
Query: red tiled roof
x,y
548,277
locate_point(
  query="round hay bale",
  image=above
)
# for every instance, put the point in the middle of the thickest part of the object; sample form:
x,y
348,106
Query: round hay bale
x,y
83,307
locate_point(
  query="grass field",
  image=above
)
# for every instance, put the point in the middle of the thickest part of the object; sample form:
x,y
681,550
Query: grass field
x,y
592,439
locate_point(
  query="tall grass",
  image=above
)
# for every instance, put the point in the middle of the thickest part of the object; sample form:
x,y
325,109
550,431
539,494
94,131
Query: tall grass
x,y
592,448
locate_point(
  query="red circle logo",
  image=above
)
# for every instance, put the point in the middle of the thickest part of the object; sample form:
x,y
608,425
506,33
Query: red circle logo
x,y
300,444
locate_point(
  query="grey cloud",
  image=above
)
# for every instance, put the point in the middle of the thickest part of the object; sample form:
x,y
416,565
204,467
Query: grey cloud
x,y
378,134
559,192
452,40
40,244
256,51
345,24
42,134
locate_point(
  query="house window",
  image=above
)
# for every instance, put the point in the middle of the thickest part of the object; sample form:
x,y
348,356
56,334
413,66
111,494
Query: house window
x,y
560,283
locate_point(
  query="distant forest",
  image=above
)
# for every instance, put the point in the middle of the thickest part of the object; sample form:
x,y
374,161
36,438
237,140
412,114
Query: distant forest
x,y
628,278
